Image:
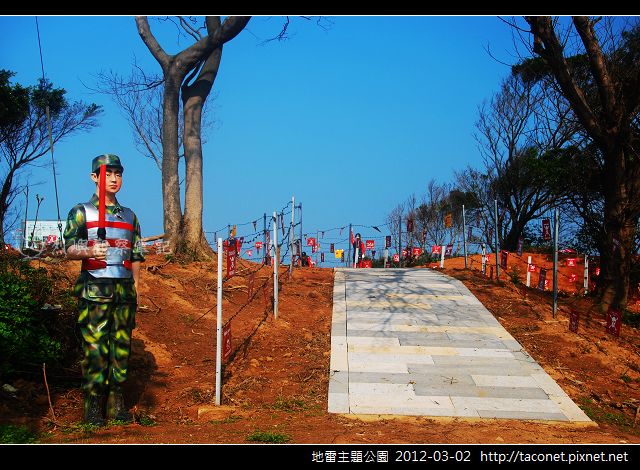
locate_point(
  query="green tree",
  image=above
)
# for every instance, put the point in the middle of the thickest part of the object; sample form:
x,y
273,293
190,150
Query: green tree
x,y
24,132
600,79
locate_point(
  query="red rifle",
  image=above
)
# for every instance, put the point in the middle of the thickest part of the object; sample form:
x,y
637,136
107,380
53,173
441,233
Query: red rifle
x,y
102,230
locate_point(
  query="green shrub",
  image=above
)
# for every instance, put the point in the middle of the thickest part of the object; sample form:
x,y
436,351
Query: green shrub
x,y
24,334
630,318
515,275
268,437
12,434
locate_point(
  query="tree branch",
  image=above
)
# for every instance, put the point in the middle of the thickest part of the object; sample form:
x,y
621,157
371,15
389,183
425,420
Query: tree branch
x,y
598,65
546,45
150,41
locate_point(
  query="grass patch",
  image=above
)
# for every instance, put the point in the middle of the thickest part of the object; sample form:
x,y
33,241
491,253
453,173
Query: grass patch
x,y
85,428
14,434
290,405
597,414
268,437
146,420
228,420
118,422
200,396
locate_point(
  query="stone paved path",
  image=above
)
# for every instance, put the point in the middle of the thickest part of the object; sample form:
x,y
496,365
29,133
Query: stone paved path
x,y
417,342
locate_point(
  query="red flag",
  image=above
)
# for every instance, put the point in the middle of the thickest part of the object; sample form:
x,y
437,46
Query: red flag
x,y
520,246
503,259
546,229
351,236
574,319
435,249
396,257
531,268
571,261
311,241
573,277
417,251
370,244
409,224
542,279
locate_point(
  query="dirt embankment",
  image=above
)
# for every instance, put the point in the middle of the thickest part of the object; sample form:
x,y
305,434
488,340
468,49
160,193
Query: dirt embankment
x,y
276,381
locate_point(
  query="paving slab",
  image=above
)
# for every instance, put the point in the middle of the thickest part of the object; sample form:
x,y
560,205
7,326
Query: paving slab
x,y
417,342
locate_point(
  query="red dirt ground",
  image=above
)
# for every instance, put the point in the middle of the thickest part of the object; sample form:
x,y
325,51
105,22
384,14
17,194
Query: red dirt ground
x,y
277,378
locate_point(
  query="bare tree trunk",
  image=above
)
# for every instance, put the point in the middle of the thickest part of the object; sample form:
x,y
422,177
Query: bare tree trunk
x,y
193,99
620,221
175,68
170,181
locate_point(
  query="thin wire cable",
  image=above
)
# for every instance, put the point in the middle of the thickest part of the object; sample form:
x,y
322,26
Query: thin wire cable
x,y
53,163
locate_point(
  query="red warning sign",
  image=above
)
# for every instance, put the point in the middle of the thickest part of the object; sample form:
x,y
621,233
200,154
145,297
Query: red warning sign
x,y
614,318
226,342
231,262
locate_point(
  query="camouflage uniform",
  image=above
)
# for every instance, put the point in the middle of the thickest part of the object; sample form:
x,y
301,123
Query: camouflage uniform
x,y
106,305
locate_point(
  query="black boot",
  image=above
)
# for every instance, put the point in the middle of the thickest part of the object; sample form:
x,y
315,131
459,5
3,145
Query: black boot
x,y
93,408
116,408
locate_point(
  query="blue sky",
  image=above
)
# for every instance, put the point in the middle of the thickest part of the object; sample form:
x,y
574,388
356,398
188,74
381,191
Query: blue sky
x,y
350,120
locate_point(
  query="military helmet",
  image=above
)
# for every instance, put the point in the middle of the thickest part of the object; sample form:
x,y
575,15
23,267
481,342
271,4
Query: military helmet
x,y
108,159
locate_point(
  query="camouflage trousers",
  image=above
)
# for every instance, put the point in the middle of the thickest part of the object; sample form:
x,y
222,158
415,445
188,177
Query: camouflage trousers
x,y
106,333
